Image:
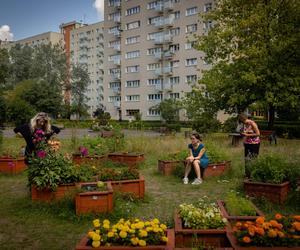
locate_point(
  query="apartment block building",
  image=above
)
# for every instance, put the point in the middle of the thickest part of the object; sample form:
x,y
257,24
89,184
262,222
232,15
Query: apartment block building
x,y
86,48
44,38
149,54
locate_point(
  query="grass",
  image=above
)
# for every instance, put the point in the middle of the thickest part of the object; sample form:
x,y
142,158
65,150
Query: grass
x,y
29,225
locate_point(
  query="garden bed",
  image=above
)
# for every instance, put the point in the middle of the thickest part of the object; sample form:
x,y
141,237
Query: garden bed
x,y
78,159
216,169
9,165
167,167
129,159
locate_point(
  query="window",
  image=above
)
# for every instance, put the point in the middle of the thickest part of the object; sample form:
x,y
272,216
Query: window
x,y
113,85
133,84
175,31
154,81
191,28
114,2
153,51
114,16
177,14
114,98
191,78
191,62
174,95
174,47
114,57
132,112
133,25
154,97
133,69
152,36
191,11
132,54
113,44
114,71
174,64
190,45
133,11
207,7
174,80
152,5
153,66
153,112
132,39
132,98
155,19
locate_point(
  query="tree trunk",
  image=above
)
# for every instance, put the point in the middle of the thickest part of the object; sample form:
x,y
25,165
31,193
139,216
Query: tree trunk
x,y
271,117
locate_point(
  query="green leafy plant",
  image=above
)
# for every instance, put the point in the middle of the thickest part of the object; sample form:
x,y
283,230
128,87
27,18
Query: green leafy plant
x,y
238,206
203,215
215,153
178,156
12,152
269,169
108,174
95,145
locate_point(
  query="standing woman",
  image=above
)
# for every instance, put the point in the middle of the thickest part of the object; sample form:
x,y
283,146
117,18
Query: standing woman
x,y
38,129
198,159
251,135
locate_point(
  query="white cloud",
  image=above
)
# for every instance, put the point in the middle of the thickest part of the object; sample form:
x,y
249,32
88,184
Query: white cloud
x,y
99,5
5,34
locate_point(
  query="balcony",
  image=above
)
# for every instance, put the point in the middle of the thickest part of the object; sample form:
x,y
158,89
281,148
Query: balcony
x,y
117,47
158,87
168,55
117,5
164,71
117,19
117,90
116,76
117,104
167,86
117,62
117,33
159,7
158,55
164,6
165,39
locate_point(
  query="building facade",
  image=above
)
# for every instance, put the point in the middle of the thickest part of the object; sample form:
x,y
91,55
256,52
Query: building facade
x,y
86,48
149,54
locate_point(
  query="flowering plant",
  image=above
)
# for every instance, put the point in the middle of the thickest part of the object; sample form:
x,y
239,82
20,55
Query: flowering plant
x,y
203,215
281,231
127,233
109,174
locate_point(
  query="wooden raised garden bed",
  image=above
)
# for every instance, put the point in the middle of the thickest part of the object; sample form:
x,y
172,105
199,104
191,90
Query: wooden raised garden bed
x,y
216,169
167,167
9,165
78,159
129,159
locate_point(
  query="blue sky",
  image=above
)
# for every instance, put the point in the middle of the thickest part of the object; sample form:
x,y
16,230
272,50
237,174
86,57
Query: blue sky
x,y
24,18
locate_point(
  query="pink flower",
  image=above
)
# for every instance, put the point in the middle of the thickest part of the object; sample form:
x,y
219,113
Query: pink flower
x,y
39,132
41,154
83,151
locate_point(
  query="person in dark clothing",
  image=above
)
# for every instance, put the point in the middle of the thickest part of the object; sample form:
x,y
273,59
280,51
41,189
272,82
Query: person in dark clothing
x,y
39,123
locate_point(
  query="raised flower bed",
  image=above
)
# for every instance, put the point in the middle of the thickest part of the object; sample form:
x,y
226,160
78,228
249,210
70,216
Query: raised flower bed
x,y
95,198
11,165
125,235
80,159
216,169
192,221
129,159
167,167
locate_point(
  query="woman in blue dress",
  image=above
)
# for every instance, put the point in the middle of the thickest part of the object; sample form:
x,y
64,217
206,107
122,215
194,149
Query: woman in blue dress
x,y
198,159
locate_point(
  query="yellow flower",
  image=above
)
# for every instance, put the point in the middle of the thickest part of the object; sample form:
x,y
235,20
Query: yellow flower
x,y
147,223
106,222
163,227
96,237
132,231
96,243
155,221
143,233
155,229
132,226
90,234
128,223
123,234
139,225
149,229
136,220
126,228
96,223
121,220
164,239
105,225
120,227
134,241
142,243
110,234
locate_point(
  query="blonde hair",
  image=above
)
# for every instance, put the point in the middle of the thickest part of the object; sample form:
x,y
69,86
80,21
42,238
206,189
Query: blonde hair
x,y
41,115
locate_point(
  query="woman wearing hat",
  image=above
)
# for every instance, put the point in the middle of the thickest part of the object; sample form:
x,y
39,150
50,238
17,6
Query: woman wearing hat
x,y
39,128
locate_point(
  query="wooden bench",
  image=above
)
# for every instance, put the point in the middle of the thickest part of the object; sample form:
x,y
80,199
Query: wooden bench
x,y
269,135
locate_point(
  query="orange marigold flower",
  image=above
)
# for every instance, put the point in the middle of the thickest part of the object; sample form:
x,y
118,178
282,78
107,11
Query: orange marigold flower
x,y
266,225
281,234
272,233
260,220
296,225
296,236
260,231
238,224
251,230
246,239
278,216
275,224
297,217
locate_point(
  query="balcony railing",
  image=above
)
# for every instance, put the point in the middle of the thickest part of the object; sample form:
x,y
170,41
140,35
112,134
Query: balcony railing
x,y
164,71
117,61
163,39
117,90
116,76
117,104
117,47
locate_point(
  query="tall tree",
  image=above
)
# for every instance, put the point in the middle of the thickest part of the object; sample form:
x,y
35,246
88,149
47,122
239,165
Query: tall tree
x,y
4,67
254,49
80,80
169,109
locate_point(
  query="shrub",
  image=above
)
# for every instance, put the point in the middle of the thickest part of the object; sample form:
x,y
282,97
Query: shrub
x,y
238,206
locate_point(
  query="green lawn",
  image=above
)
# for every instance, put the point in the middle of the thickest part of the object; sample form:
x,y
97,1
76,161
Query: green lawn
x,y
30,225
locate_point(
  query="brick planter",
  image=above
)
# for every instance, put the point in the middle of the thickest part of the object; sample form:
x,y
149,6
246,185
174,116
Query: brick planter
x,y
229,217
10,165
216,169
167,167
136,187
129,159
184,237
276,193
95,201
78,159
169,246
48,195
236,245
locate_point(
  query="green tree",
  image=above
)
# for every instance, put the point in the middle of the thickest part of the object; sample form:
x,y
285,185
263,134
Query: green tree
x,y
80,80
2,110
4,67
254,50
169,109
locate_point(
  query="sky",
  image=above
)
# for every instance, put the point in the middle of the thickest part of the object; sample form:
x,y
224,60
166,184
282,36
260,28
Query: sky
x,y
24,18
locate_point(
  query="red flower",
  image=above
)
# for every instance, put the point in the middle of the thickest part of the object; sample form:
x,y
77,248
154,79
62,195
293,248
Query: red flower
x,y
41,154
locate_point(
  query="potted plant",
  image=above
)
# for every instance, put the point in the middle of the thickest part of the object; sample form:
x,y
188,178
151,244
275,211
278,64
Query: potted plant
x,y
126,179
269,177
168,163
12,161
128,234
94,197
280,233
204,220
235,207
